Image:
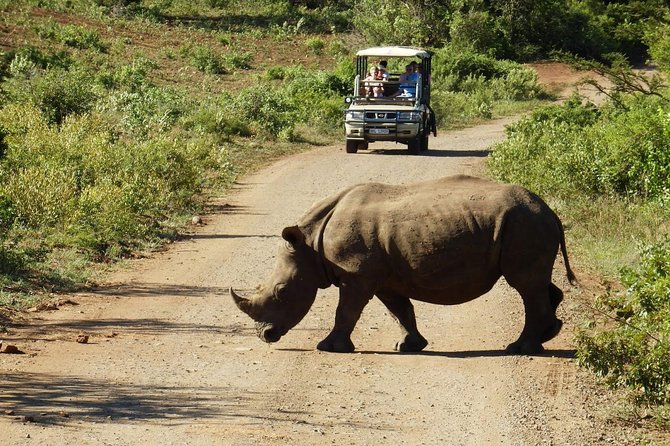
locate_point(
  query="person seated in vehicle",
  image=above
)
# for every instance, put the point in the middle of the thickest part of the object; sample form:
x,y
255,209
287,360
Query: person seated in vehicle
x,y
383,67
375,89
408,81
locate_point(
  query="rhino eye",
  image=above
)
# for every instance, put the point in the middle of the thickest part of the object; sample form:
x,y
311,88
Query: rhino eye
x,y
280,290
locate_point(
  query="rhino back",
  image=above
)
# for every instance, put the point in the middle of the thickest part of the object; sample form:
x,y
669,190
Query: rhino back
x,y
441,234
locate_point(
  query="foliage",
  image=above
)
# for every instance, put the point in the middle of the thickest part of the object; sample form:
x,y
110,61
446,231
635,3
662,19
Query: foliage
x,y
207,60
396,22
468,85
464,70
302,96
73,36
316,45
515,29
622,79
57,92
575,149
658,39
633,350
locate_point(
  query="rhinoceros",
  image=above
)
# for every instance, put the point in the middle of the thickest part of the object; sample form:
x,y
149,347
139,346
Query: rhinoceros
x,y
445,241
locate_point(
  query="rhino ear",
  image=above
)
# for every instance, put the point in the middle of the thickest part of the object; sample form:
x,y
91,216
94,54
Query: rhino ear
x,y
293,235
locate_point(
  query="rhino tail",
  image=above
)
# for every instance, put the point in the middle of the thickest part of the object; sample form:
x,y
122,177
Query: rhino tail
x,y
564,251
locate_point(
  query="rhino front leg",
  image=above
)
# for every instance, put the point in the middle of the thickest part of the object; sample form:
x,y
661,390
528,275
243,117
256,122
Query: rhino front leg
x,y
353,298
403,311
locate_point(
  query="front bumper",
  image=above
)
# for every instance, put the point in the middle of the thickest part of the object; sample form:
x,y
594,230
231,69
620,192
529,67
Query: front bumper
x,y
378,131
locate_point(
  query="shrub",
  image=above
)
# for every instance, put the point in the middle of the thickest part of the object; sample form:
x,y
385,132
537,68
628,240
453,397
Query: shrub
x,y
81,187
574,149
267,108
633,350
315,45
73,36
207,61
383,22
213,117
145,109
454,65
56,92
26,59
239,60
133,76
477,31
7,215
399,22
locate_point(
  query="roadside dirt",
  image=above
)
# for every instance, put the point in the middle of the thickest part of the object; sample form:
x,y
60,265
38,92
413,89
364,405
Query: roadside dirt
x,y
170,360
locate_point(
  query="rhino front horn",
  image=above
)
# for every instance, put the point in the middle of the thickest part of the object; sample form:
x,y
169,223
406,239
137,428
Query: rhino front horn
x,y
242,303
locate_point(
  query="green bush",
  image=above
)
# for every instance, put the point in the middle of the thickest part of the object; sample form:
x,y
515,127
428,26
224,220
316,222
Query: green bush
x,y
132,77
268,109
315,45
212,117
26,59
239,60
300,96
633,351
57,92
145,110
469,86
477,31
575,149
82,187
7,215
468,71
206,60
73,36
386,22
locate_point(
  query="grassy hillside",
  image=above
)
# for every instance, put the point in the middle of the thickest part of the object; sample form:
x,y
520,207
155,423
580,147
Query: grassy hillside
x,y
114,122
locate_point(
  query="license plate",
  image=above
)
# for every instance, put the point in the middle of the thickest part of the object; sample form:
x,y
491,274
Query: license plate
x,y
379,131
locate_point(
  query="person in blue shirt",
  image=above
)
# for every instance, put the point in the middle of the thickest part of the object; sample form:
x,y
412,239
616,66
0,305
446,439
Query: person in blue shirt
x,y
408,81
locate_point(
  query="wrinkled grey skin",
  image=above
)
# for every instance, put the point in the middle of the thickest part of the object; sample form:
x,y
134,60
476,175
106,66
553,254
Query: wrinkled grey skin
x,y
445,241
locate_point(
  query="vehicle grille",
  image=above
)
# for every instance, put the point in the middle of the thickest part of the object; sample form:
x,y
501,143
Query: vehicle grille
x,y
380,116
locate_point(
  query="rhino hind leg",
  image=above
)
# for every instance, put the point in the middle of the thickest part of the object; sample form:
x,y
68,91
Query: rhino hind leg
x,y
541,323
403,311
555,296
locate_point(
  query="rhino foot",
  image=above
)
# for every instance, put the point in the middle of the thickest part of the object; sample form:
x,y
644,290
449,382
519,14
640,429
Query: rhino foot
x,y
411,343
552,331
336,345
524,347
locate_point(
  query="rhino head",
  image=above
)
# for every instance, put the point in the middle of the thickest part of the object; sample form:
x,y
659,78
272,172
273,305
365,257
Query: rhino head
x,y
284,299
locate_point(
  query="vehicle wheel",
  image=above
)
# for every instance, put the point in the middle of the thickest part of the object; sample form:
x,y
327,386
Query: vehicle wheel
x,y
414,145
363,145
424,143
352,146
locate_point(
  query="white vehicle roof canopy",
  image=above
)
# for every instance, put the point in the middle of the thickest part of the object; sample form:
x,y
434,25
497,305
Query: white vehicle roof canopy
x,y
394,51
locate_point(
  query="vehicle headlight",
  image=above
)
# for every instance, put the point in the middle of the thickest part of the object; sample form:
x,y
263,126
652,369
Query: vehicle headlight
x,y
351,115
408,116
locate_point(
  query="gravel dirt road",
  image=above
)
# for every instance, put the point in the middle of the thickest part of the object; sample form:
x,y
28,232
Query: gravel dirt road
x,y
171,361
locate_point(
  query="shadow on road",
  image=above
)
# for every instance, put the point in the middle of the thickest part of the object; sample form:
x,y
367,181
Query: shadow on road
x,y
435,153
56,399
568,354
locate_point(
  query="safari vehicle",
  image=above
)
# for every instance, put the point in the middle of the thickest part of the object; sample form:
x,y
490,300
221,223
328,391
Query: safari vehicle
x,y
399,113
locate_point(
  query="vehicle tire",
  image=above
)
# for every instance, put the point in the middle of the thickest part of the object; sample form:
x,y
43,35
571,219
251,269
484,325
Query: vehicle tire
x,y
363,145
352,146
424,143
414,145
